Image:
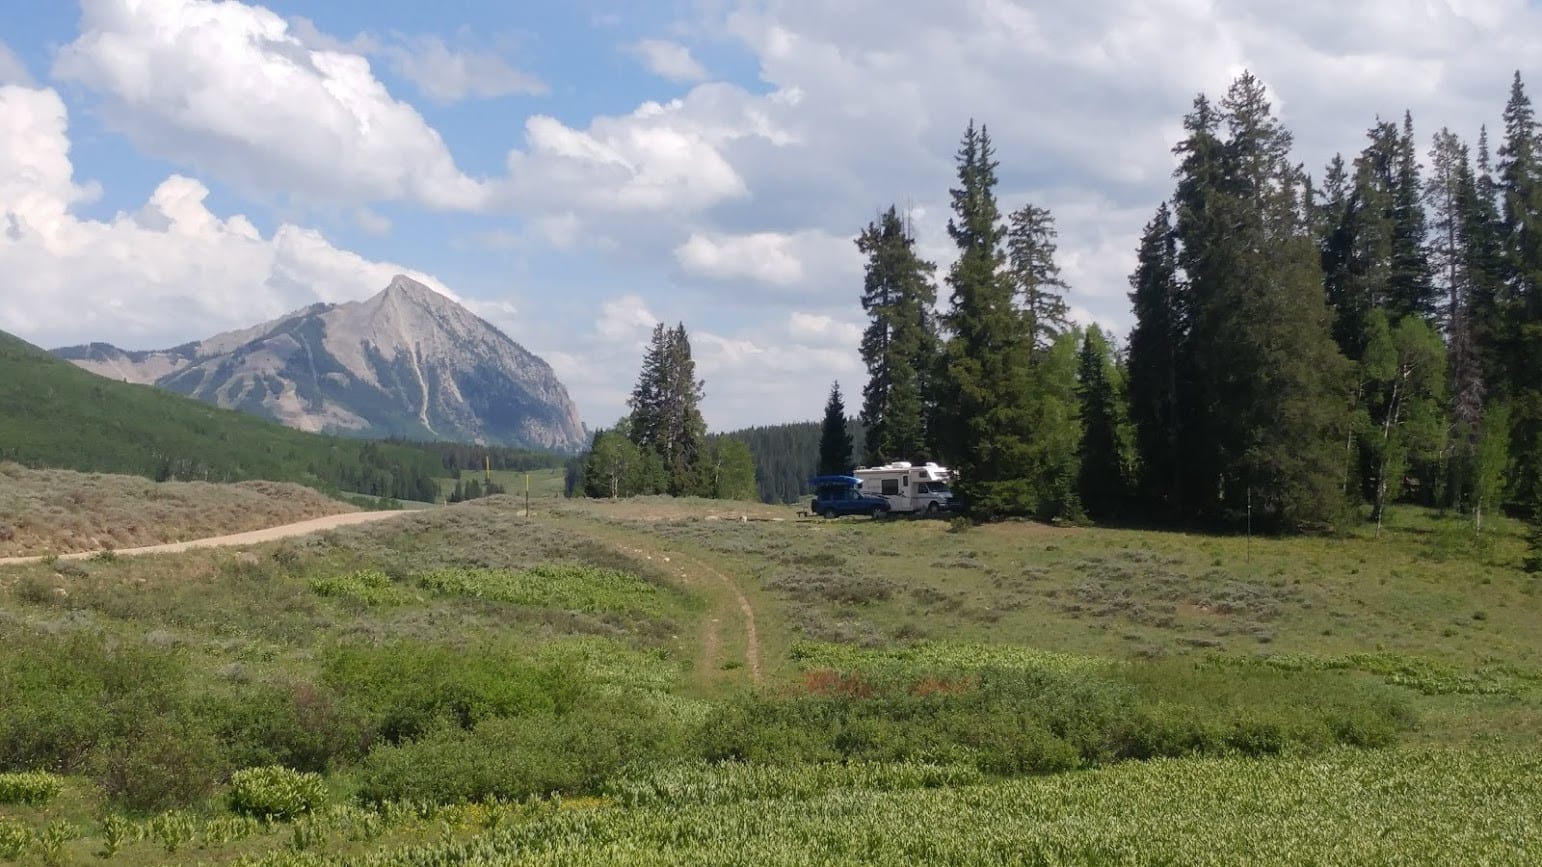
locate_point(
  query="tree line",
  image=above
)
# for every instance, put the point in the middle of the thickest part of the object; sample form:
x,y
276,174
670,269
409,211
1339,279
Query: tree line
x,y
662,446
1301,348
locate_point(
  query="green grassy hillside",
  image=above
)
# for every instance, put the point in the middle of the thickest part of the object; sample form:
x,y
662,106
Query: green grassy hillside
x,y
657,681
53,414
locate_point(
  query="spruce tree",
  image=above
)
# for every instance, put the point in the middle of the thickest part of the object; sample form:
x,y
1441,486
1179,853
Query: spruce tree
x,y
647,425
1365,242
835,443
1157,354
986,365
1269,374
1101,480
1484,229
1520,316
666,415
899,345
1410,289
1034,274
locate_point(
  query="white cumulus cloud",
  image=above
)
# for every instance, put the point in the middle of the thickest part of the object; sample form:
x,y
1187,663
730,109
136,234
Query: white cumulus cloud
x,y
12,70
669,60
662,157
228,89
166,273
446,75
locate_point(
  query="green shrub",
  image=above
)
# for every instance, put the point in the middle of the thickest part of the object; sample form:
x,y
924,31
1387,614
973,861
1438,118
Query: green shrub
x,y
565,587
299,725
370,586
1032,721
14,839
409,687
275,791
166,762
65,696
116,830
51,840
33,788
574,753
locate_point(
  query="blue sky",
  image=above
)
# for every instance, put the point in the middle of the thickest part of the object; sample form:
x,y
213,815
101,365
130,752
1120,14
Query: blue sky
x,y
573,172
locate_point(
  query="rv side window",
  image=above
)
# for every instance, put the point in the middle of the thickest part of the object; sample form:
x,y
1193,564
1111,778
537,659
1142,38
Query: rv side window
x,y
922,488
890,487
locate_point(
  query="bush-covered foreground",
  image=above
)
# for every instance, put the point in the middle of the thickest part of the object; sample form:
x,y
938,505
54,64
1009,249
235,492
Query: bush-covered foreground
x,y
1343,807
423,720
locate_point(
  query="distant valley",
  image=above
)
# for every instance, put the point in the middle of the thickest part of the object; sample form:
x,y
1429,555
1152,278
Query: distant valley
x,y
408,362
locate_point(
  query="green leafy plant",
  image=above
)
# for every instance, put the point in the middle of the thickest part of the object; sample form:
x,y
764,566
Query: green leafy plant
x,y
32,788
116,830
275,792
14,839
51,842
173,830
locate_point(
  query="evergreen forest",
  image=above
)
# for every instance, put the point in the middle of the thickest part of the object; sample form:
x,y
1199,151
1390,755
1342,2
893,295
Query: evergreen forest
x,y
1307,349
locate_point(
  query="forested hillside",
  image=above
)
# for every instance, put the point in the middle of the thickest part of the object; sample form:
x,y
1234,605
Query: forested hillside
x,y
786,455
53,414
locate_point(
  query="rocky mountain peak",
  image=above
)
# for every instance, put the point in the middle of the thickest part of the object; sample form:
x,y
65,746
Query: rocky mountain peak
x,y
408,361
404,287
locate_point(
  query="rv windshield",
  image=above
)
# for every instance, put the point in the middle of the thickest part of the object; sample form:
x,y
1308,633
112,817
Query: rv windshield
x,y
940,488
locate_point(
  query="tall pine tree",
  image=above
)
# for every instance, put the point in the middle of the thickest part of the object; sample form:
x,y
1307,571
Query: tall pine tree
x,y
1034,274
1520,184
1158,353
1101,482
1266,368
986,364
899,345
666,414
835,444
1410,289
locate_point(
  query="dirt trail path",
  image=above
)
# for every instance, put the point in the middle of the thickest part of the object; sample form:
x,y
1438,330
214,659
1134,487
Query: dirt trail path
x,y
303,528
727,604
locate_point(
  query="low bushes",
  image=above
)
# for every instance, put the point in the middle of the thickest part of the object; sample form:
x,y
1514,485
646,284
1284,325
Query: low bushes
x,y
1012,722
370,586
408,688
573,753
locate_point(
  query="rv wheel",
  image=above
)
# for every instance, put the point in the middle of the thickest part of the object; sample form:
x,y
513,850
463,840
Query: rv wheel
x,y
931,510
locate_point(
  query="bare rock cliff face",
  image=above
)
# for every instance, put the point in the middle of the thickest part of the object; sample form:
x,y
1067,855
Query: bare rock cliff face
x,y
407,362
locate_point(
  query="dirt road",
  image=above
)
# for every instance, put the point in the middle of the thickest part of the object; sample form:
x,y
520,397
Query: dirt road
x,y
315,525
728,628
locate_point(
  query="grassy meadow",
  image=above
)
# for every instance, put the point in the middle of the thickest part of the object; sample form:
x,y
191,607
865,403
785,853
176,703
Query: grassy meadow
x,y
662,681
61,512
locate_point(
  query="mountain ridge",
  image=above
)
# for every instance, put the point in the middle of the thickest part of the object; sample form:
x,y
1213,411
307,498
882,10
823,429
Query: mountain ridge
x,y
407,362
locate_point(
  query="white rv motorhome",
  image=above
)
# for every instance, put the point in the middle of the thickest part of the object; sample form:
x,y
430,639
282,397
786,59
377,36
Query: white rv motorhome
x,y
909,488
